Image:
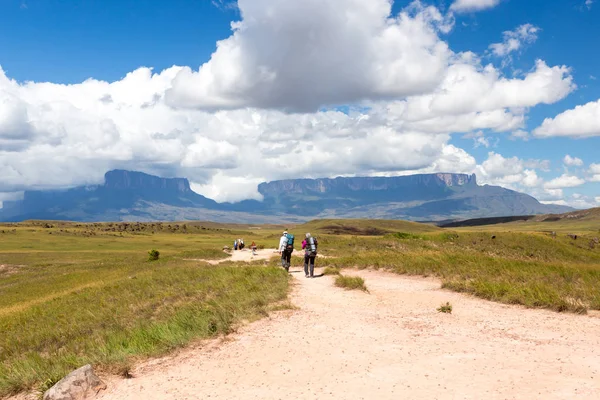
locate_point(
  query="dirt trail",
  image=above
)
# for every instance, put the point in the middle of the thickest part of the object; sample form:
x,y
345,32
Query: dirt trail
x,y
388,344
246,255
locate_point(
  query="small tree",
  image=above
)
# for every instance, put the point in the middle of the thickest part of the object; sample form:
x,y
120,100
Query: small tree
x,y
153,255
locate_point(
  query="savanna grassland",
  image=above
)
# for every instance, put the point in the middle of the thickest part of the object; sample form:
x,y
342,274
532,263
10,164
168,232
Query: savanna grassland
x,y
72,294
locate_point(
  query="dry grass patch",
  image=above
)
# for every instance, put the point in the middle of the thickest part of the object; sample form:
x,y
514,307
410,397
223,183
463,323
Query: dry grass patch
x,y
351,283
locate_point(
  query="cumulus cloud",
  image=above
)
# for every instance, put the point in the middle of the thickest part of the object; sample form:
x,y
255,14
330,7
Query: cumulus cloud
x,y
572,161
475,88
594,172
581,122
564,181
300,55
515,40
473,5
228,126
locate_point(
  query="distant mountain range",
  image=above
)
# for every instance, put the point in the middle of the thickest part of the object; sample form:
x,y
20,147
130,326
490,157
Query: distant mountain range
x,y
129,195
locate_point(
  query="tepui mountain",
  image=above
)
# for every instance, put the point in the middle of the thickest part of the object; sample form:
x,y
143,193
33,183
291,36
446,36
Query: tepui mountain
x,y
129,195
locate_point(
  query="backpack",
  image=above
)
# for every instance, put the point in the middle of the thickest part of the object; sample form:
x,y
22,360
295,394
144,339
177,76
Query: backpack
x,y
290,240
312,245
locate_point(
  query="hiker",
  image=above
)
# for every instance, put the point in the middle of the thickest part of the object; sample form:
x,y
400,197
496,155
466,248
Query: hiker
x,y
309,245
241,243
235,244
253,248
286,247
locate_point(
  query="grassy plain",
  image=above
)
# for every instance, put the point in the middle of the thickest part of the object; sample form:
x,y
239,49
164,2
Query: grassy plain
x,y
78,293
72,294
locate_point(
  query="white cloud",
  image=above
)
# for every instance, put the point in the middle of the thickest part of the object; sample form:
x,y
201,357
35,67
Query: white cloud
x,y
544,165
572,161
515,40
582,121
580,201
588,4
301,55
473,5
520,134
531,179
595,172
556,193
479,139
509,172
597,199
564,181
555,202
496,166
472,88
55,136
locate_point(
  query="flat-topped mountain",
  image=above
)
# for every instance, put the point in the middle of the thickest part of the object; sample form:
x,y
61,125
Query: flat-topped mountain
x,y
129,195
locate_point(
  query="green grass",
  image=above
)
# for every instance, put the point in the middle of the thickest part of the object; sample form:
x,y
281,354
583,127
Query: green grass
x,y
531,269
351,283
77,293
70,298
331,271
445,308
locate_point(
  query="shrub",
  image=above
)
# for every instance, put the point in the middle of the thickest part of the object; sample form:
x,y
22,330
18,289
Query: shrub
x,y
153,255
351,283
445,308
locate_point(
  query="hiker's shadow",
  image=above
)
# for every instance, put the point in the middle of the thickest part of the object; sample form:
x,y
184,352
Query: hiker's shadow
x,y
318,276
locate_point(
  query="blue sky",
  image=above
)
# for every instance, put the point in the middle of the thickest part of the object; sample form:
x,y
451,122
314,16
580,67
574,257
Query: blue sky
x,y
69,42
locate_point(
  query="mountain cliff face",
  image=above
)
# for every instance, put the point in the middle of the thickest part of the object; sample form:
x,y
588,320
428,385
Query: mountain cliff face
x,y
417,197
375,184
130,180
127,195
122,190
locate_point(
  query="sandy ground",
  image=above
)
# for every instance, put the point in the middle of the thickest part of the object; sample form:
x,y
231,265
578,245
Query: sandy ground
x,y
388,344
247,255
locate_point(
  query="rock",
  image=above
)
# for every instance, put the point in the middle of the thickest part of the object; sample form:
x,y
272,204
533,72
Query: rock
x,y
572,236
76,386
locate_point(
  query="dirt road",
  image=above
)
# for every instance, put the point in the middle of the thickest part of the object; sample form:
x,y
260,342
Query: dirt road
x,y
388,344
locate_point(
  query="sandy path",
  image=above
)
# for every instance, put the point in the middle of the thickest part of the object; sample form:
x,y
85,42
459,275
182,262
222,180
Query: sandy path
x,y
247,255
389,344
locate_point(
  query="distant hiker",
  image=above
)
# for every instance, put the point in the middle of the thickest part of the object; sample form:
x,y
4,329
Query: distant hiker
x,y
235,244
309,245
241,243
286,247
253,248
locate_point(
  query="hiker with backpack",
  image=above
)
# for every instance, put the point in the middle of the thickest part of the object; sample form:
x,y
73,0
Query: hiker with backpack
x,y
286,247
309,245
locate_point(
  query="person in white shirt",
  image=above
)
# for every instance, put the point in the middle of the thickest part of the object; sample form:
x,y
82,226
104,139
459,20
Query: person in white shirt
x,y
285,250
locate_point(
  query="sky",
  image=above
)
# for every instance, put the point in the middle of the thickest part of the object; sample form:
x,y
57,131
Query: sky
x,y
230,94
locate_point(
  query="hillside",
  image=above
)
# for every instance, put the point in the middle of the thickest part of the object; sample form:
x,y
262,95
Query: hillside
x,y
136,196
574,221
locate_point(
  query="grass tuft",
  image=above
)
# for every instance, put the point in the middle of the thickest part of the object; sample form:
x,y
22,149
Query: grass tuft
x,y
331,271
445,308
351,283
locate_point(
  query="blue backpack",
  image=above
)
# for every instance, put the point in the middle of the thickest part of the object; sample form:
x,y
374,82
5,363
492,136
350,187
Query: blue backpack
x,y
290,240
